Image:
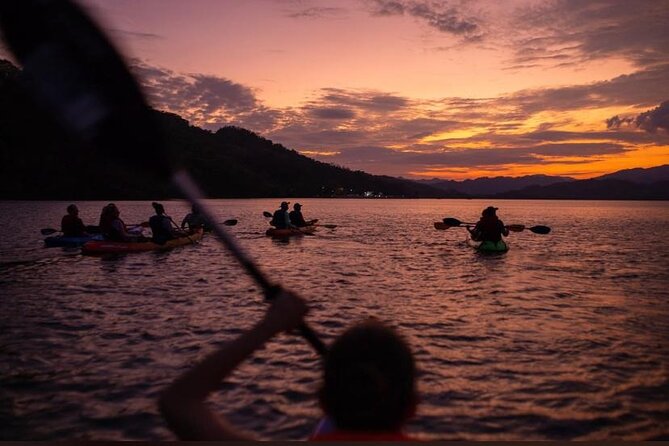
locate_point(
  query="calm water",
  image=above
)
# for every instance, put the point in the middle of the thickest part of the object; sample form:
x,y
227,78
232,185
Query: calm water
x,y
566,336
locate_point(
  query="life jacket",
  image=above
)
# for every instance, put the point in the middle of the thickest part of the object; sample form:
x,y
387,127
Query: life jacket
x,y
489,229
161,229
110,232
297,219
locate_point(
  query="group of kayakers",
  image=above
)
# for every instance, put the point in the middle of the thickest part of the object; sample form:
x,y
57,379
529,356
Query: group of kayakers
x,y
113,228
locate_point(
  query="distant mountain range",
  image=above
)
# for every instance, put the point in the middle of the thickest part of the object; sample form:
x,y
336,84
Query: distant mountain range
x,y
39,161
630,184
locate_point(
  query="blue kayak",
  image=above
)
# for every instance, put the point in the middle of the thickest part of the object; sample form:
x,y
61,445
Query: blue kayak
x,y
69,242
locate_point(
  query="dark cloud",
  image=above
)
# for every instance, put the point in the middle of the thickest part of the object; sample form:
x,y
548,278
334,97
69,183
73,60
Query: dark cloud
x,y
650,121
135,34
202,99
370,101
577,31
438,15
655,119
616,121
316,13
641,88
332,113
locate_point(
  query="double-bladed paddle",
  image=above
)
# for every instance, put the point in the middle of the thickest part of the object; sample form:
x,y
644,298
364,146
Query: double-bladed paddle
x,y
454,222
76,72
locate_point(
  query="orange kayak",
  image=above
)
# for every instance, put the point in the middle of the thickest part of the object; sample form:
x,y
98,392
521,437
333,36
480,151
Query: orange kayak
x,y
110,247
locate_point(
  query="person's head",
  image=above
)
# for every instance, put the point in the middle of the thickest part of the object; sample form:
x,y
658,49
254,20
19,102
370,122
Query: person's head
x,y
369,379
284,205
73,210
489,212
297,206
159,208
195,209
111,210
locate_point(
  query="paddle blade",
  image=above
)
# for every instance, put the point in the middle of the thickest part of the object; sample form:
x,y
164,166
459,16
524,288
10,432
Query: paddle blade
x,y
327,226
440,226
267,214
48,231
452,221
82,79
516,228
540,229
230,222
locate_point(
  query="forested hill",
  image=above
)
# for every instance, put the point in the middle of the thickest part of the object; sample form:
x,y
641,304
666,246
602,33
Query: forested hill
x,y
37,161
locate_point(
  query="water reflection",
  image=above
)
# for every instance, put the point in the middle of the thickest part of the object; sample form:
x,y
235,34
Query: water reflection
x,y
563,337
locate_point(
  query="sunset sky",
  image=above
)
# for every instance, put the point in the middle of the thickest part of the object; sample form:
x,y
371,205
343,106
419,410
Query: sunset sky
x,y
420,89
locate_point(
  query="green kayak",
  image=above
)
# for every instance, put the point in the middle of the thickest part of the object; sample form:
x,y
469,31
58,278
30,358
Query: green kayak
x,y
488,246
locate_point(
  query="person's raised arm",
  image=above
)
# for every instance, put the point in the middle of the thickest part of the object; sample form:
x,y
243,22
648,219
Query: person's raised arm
x,y
183,404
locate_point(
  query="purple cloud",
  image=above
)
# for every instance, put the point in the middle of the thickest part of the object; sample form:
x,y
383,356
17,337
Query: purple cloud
x,y
437,15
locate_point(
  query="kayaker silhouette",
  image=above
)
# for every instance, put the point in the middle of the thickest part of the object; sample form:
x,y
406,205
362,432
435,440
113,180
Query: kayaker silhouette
x,y
297,218
489,228
161,225
71,225
281,218
368,389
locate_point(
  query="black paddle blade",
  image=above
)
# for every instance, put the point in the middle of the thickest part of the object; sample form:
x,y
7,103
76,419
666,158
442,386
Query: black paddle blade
x,y
452,221
540,229
230,222
48,231
76,73
267,214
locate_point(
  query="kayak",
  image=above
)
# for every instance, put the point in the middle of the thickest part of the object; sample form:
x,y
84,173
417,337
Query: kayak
x,y
488,246
274,232
69,242
109,247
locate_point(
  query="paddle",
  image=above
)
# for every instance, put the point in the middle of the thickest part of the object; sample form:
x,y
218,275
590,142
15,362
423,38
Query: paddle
x,y
454,222
76,72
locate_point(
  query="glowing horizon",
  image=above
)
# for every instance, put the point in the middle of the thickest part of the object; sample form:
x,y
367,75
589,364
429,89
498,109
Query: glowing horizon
x,y
416,88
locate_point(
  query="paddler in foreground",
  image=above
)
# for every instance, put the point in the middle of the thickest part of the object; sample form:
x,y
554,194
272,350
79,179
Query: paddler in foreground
x,y
368,390
489,228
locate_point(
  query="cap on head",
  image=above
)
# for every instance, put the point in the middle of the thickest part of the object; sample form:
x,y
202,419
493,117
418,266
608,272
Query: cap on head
x,y
297,206
159,208
490,210
284,204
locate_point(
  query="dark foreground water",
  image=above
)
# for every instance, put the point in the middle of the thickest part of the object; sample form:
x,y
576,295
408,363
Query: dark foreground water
x,y
566,336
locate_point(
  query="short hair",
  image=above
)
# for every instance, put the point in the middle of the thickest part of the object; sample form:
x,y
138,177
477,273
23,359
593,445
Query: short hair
x,y
369,379
71,208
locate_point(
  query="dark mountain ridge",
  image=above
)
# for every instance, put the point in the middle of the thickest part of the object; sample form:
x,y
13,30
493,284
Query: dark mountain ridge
x,y
39,161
